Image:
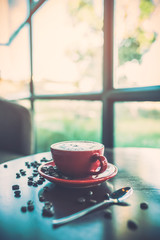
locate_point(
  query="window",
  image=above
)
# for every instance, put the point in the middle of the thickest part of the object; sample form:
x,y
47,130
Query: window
x,y
89,69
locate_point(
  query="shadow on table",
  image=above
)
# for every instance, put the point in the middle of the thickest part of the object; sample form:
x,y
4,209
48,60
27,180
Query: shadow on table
x,y
67,201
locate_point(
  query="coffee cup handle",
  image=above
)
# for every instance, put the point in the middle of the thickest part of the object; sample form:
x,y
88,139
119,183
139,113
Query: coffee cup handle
x,y
103,163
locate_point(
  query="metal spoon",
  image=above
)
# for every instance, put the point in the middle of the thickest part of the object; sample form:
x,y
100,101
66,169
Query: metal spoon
x,y
116,197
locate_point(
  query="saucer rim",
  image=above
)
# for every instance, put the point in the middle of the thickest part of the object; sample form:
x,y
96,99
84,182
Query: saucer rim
x,y
82,181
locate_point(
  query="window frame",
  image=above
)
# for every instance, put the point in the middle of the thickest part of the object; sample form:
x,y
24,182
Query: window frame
x,y
109,95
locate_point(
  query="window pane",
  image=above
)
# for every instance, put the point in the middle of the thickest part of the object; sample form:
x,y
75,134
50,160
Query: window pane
x,y
67,47
137,36
59,120
137,124
15,67
12,15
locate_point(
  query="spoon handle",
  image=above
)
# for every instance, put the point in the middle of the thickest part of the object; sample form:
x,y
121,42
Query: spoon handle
x,y
74,216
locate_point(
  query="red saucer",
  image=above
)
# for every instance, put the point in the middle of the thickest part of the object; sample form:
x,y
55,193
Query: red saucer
x,y
93,180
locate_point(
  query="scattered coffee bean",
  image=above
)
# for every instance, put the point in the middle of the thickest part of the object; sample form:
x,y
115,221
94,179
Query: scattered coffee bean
x,y
45,189
15,187
90,193
18,175
30,207
30,183
5,166
35,184
47,212
81,200
40,182
107,213
23,208
92,201
30,178
132,225
144,205
17,195
30,202
17,192
35,174
49,204
41,198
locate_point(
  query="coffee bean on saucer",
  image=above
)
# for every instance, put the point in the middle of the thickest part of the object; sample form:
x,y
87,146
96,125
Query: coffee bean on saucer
x,y
5,166
132,225
15,187
144,205
81,200
44,169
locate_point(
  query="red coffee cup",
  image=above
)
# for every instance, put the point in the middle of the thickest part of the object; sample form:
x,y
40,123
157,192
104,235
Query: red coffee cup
x,y
79,159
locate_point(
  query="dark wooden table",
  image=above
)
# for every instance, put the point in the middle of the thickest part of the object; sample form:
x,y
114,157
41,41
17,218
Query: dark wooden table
x,y
138,168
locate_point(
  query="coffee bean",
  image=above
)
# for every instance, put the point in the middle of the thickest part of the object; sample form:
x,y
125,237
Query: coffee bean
x,y
49,204
39,181
47,212
41,198
18,175
23,173
23,208
17,195
132,225
30,202
45,189
90,193
107,213
81,200
5,166
35,184
30,183
35,174
30,178
15,187
30,207
144,205
17,192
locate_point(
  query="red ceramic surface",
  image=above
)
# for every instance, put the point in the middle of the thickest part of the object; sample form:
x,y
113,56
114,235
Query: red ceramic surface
x,y
93,180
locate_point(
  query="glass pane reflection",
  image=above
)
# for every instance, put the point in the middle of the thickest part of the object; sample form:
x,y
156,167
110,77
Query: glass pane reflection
x,y
15,67
136,124
137,36
59,120
67,47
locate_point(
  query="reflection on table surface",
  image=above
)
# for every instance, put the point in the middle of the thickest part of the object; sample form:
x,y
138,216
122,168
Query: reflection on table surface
x,y
137,168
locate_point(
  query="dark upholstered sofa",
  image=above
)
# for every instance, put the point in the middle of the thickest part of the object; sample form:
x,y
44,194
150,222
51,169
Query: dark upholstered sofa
x,y
15,131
